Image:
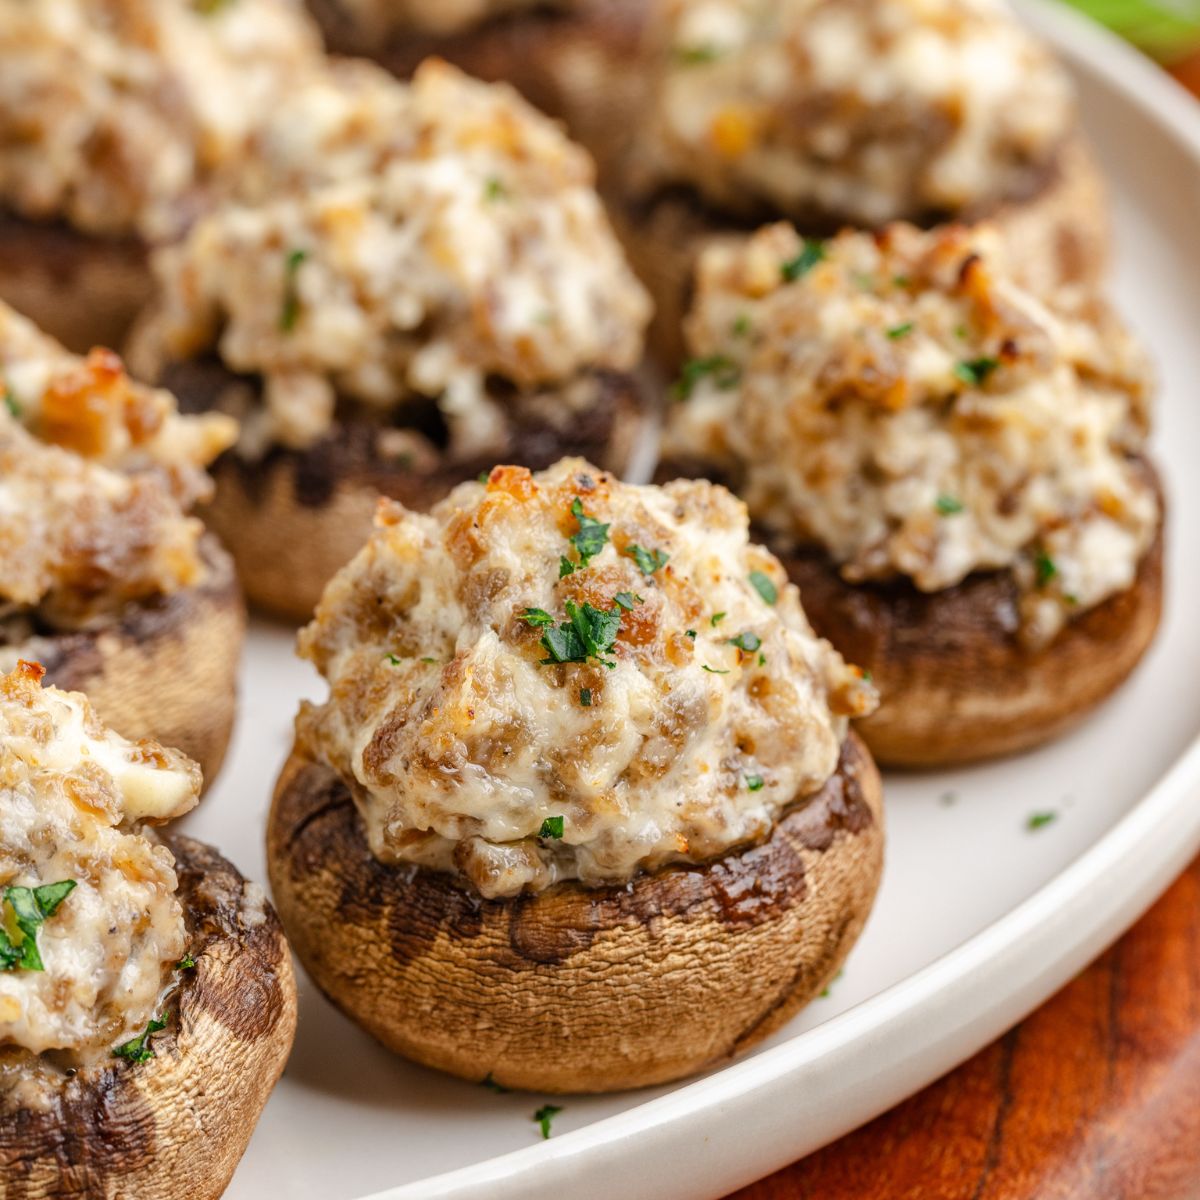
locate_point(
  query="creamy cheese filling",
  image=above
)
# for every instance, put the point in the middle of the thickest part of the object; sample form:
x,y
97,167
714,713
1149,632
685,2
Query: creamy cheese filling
x,y
117,115
72,795
900,402
561,676
382,18
469,244
851,108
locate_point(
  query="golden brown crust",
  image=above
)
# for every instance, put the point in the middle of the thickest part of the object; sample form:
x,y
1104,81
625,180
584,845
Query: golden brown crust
x,y
85,291
1058,235
165,668
577,990
292,518
956,683
574,64
175,1125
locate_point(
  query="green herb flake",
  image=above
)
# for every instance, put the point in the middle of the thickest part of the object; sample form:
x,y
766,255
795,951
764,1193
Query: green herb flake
x,y
746,641
10,402
1045,567
394,659
585,697
697,55
545,1115
812,253
960,332
138,1049
186,963
741,327
648,561
289,314
948,505
536,617
429,659
1039,820
898,331
627,600
565,567
552,827
901,281
692,634
867,677
713,670
30,908
483,477
725,373
586,633
492,1086
829,986
592,536
207,8
494,189
717,618
974,371
762,660
754,783
764,585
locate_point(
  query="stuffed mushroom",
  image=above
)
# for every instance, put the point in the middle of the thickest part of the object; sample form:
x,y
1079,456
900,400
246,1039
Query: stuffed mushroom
x,y
104,577
953,471
584,777
831,113
453,296
147,1003
118,119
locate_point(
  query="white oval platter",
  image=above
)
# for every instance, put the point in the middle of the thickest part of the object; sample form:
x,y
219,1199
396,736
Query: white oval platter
x,y
979,919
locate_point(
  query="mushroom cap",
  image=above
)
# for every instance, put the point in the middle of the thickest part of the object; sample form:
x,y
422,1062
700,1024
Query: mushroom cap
x,y
576,989
177,1124
293,518
165,668
956,684
1057,235
83,290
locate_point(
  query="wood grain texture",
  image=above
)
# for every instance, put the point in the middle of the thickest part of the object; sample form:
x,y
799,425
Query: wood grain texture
x,y
1094,1097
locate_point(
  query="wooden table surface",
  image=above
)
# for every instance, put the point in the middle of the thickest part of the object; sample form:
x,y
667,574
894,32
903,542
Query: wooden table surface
x,y
1094,1097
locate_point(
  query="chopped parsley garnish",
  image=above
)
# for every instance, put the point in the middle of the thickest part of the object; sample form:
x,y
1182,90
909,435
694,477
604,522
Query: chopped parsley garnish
x,y
492,1086
395,660
10,402
741,326
762,660
552,827
754,783
565,567
948,505
494,189
648,561
692,634
716,619
960,332
713,670
974,371
829,986
812,253
138,1049
545,1115
867,677
290,312
627,600
186,963
764,586
1045,567
898,331
694,56
901,281
592,536
585,697
725,374
483,477
30,909
536,617
428,659
208,7
746,641
1039,820
586,633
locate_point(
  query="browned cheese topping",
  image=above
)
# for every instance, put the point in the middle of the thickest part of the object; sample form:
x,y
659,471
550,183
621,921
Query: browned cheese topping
x,y
563,677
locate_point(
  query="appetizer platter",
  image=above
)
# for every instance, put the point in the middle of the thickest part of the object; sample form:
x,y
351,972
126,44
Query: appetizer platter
x,y
1002,880
653,780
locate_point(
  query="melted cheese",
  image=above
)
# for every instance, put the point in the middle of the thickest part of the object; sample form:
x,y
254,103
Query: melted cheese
x,y
905,405
71,793
459,741
468,243
863,111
